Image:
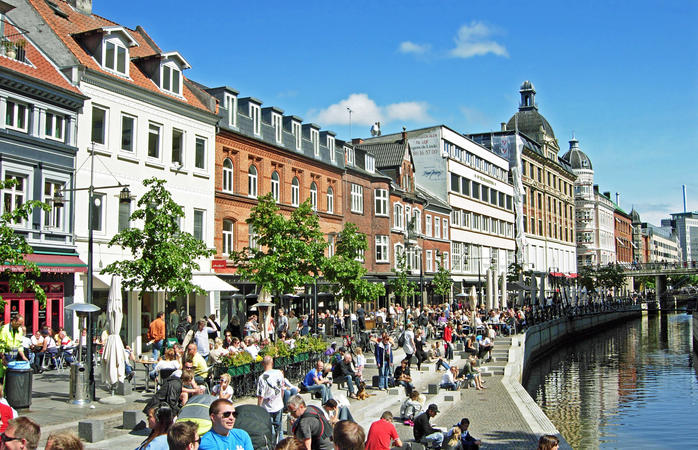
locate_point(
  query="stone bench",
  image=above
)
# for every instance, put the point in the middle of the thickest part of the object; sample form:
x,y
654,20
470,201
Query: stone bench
x,y
131,418
91,430
433,389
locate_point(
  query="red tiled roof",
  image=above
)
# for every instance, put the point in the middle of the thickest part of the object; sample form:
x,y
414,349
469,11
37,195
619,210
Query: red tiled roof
x,y
40,68
77,23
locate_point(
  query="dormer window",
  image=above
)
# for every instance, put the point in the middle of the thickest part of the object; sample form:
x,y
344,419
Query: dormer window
x,y
330,145
349,156
170,79
230,102
296,130
256,115
276,122
315,140
115,56
370,164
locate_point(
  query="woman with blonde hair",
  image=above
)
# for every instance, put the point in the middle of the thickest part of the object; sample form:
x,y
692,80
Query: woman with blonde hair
x,y
217,351
223,389
453,441
64,441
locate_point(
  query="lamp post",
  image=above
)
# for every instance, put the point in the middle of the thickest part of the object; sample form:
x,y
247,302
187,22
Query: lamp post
x,y
124,197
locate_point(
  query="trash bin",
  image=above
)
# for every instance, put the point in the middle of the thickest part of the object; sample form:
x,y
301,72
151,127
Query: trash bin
x,y
79,384
18,387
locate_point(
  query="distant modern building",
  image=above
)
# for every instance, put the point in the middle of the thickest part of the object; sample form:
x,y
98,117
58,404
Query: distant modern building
x,y
685,227
661,244
595,222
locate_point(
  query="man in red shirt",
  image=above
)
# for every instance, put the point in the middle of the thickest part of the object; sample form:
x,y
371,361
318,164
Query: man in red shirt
x,y
382,433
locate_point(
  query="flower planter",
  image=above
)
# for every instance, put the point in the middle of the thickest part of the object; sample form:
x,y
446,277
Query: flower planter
x,y
235,371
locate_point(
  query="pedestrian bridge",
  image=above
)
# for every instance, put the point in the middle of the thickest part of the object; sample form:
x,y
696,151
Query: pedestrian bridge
x,y
660,269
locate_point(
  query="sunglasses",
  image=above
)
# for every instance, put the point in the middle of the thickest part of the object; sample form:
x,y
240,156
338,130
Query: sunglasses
x,y
6,438
227,414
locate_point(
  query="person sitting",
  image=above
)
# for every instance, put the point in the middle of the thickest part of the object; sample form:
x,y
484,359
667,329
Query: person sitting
x,y
189,387
424,433
160,420
471,345
223,389
198,363
49,349
402,376
486,347
66,346
217,352
169,363
344,371
471,372
450,379
382,434
334,412
468,442
452,440
251,347
411,407
314,381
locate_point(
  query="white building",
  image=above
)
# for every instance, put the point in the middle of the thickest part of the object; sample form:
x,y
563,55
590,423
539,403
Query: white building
x,y
685,227
143,119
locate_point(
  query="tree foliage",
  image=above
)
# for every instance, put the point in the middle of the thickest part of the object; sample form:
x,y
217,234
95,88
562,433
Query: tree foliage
x,y
20,273
442,281
289,251
163,256
346,272
610,276
401,284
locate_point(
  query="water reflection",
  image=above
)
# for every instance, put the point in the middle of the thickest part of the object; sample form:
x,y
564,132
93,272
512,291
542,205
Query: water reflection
x,y
633,385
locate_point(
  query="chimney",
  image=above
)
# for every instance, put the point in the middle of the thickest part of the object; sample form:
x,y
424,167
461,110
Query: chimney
x,y
617,198
404,134
83,6
607,194
503,126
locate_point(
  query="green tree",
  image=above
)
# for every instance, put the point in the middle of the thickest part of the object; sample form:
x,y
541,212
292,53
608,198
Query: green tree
x,y
21,274
513,272
401,284
346,272
442,281
587,278
286,252
163,256
610,276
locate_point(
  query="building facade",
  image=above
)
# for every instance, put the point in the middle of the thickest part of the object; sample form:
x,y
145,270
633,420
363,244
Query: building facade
x,y
624,236
39,109
685,227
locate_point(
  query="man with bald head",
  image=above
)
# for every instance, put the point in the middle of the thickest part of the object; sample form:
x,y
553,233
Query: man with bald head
x,y
270,394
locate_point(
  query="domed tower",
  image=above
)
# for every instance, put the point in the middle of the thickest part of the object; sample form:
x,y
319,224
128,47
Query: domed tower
x,y
528,119
581,166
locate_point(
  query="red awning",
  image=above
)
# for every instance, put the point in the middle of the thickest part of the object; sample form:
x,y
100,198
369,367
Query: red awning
x,y
572,275
557,274
53,263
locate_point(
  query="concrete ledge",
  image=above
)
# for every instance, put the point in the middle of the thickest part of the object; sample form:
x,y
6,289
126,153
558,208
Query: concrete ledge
x,y
131,419
415,446
452,396
394,391
91,430
432,389
124,389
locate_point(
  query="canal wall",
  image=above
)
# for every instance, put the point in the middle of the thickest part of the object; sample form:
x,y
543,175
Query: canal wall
x,y
540,339
695,331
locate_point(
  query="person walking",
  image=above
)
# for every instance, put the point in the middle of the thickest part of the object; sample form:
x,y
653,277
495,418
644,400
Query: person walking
x,y
156,334
384,360
270,395
409,345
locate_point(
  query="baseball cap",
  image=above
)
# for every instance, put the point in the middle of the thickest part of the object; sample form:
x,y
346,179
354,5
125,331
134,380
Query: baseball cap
x,y
433,407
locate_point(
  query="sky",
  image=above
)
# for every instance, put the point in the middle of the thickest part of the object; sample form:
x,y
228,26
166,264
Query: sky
x,y
621,76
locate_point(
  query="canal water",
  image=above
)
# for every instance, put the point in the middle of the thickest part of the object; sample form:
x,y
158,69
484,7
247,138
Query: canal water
x,y
634,385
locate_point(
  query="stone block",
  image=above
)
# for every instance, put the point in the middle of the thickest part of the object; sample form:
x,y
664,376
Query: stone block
x,y
432,389
375,381
91,430
394,391
131,419
459,347
124,389
416,446
452,396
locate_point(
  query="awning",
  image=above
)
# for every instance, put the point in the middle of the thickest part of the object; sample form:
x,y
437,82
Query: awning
x,y
572,275
53,263
557,274
212,283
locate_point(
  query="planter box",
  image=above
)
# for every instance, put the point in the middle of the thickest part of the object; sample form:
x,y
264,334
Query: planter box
x,y
235,371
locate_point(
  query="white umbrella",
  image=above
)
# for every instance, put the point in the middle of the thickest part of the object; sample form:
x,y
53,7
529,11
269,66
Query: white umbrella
x,y
113,364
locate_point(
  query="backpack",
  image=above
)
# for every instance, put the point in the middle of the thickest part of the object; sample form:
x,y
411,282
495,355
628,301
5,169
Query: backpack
x,y
181,331
401,339
325,427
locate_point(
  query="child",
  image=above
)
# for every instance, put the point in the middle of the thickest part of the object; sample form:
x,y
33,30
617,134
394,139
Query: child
x,y
411,407
223,390
360,363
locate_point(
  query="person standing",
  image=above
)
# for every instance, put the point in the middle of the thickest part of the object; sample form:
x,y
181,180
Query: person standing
x,y
270,395
420,342
384,360
281,323
382,435
11,336
156,334
201,338
409,345
222,435
292,323
361,316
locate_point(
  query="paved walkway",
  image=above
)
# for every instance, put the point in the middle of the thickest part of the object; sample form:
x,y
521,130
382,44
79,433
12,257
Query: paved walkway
x,y
495,414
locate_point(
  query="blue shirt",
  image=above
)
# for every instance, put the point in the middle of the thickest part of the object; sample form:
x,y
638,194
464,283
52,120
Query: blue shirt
x,y
159,443
235,440
309,378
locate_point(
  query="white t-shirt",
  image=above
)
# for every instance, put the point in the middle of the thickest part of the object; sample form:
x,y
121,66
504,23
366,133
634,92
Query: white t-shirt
x,y
164,364
51,343
201,338
447,377
269,387
409,342
227,391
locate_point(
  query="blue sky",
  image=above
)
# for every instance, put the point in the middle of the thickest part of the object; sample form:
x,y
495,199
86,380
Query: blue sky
x,y
621,75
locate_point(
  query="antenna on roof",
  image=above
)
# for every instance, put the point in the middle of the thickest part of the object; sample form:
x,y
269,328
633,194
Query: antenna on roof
x,y
350,111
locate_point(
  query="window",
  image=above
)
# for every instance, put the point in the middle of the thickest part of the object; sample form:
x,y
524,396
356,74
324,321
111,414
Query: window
x,y
467,219
128,130
54,126
349,156
228,235
124,215
255,115
252,182
370,163
115,57
16,116
357,198
296,130
476,190
456,251
430,261
408,218
444,260
427,226
381,202
231,103
98,209
437,227
313,196
275,186
171,79
485,224
465,186
330,200
465,258
382,255
154,141
53,218
398,216
278,129
445,225
330,146
198,224
178,146
455,183
399,254
99,125
417,221
295,191
252,238
227,175
485,191
315,140
476,221
200,153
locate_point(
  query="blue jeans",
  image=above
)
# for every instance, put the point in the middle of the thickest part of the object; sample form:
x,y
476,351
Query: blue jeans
x,y
288,393
323,389
449,386
409,387
442,363
383,374
157,347
276,422
350,383
433,440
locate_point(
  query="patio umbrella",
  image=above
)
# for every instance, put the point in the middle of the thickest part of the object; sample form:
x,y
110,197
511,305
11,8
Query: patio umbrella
x,y
473,306
113,363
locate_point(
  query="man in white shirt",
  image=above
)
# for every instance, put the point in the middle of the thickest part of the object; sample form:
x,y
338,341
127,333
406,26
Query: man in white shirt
x,y
270,394
201,338
409,346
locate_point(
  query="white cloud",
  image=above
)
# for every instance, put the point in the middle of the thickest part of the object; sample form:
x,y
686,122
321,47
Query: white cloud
x,y
411,47
472,40
365,111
